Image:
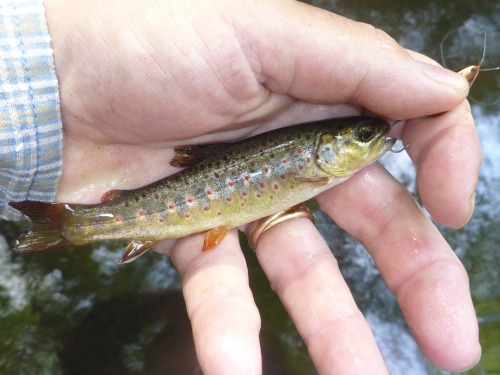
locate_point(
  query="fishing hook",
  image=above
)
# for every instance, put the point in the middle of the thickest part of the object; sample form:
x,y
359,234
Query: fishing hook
x,y
401,150
404,146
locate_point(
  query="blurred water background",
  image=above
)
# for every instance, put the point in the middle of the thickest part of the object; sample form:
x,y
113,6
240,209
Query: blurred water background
x,y
77,312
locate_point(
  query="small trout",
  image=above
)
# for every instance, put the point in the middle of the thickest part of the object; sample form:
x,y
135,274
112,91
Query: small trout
x,y
222,186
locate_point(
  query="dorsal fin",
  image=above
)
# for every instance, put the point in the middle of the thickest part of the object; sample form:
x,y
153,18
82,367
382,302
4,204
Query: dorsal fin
x,y
186,156
110,194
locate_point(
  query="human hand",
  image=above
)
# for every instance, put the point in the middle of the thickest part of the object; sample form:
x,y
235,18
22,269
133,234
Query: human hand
x,y
137,79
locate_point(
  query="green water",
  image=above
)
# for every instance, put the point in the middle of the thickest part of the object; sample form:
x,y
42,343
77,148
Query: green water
x,y
76,311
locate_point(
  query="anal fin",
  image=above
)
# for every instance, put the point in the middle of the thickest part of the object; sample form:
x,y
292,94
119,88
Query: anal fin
x,y
214,237
135,249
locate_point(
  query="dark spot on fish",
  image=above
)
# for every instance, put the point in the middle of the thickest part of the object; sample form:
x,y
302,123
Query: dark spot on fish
x,y
136,197
216,175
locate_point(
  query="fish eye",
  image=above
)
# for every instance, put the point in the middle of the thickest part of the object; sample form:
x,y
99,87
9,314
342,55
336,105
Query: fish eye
x,y
365,133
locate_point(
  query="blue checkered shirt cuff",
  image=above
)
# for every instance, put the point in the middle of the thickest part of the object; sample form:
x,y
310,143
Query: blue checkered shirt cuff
x,y
30,120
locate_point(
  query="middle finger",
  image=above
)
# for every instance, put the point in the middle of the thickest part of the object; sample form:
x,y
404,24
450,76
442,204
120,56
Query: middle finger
x,y
304,273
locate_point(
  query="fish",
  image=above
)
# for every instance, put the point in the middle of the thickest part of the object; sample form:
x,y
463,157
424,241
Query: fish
x,y
221,186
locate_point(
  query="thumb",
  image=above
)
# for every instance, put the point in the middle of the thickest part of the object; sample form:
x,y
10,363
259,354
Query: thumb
x,y
318,56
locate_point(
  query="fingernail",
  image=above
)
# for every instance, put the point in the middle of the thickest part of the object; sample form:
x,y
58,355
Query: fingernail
x,y
442,75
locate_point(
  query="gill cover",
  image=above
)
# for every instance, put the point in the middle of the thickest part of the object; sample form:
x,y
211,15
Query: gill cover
x,y
342,151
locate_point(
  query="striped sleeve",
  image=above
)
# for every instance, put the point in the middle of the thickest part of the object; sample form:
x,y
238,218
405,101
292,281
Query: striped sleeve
x,y
30,121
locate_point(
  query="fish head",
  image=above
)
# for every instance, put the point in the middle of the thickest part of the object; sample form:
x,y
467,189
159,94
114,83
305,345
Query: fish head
x,y
344,149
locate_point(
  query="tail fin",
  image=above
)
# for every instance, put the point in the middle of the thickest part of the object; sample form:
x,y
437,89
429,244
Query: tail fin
x,y
43,233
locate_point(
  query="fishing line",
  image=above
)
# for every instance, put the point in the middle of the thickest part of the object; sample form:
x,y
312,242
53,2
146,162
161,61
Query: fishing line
x,y
471,72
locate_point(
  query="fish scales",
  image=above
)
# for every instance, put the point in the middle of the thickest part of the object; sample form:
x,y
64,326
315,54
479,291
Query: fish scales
x,y
250,180
223,186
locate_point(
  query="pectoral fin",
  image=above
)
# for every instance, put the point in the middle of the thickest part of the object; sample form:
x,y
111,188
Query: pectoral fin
x,y
135,249
214,236
322,180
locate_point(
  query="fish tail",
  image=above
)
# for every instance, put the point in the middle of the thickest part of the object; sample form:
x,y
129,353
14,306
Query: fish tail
x,y
44,231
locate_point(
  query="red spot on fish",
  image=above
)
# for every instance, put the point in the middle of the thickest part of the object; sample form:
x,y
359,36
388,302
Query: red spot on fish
x,y
206,208
285,161
190,199
230,183
266,169
283,176
171,206
229,199
98,221
118,218
141,213
161,220
188,215
299,151
258,195
276,186
244,193
262,185
209,192
242,204
246,177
